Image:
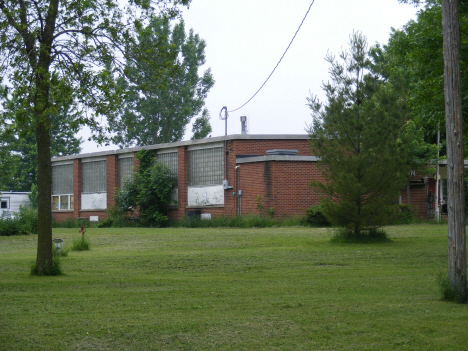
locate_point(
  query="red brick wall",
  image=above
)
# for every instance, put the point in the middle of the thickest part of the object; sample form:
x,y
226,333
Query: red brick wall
x,y
280,185
418,196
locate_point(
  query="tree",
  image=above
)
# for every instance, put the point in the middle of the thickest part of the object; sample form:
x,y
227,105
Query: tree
x,y
357,134
149,192
442,88
414,57
162,100
20,147
201,127
455,160
71,44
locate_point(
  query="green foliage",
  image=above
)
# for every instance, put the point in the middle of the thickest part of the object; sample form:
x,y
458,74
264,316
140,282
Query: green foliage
x,y
201,127
358,135
149,194
27,220
24,222
367,236
245,221
260,204
55,52
413,60
162,98
9,226
52,268
446,291
316,217
33,196
81,244
405,214
19,143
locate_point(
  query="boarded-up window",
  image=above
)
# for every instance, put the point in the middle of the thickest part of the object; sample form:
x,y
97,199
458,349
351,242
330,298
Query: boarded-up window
x,y
93,177
206,166
169,160
126,169
62,179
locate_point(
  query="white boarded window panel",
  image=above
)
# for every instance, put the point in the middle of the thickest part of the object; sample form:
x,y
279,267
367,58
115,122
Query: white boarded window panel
x,y
94,177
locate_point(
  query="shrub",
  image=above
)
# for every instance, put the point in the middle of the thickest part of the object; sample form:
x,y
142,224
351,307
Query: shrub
x,y
316,217
9,226
81,244
150,193
405,214
27,220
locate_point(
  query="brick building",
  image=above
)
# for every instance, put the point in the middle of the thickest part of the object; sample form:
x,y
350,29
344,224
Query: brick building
x,y
231,175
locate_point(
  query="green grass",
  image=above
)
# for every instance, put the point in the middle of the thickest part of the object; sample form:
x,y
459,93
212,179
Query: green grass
x,y
231,289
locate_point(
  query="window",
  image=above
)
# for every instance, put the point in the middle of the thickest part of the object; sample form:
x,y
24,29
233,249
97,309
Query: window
x,y
4,205
62,202
93,177
62,179
206,166
126,169
62,187
169,160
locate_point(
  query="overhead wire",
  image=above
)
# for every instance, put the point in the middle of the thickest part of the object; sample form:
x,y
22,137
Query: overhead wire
x,y
274,69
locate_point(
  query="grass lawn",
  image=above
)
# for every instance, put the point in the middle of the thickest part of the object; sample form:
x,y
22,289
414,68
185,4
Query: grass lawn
x,y
231,289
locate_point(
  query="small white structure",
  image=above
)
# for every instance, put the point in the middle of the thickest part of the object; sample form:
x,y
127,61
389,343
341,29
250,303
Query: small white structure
x,y
10,202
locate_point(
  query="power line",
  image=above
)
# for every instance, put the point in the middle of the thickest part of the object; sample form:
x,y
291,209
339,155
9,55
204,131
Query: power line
x,y
297,31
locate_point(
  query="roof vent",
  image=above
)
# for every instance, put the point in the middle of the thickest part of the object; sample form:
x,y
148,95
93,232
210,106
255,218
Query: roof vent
x,y
282,152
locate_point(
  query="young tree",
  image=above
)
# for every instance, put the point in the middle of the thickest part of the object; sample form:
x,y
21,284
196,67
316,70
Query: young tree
x,y
149,192
357,134
162,100
74,44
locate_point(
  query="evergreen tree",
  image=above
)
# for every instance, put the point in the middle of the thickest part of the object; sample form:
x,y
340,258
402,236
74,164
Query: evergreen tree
x,y
357,134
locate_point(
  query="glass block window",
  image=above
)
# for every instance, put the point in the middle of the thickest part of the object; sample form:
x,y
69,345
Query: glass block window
x,y
126,169
93,177
169,160
206,166
62,179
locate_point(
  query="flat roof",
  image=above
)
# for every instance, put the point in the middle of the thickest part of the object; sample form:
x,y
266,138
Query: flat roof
x,y
186,143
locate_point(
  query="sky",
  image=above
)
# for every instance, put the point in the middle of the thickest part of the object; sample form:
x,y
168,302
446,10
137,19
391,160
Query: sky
x,y
246,38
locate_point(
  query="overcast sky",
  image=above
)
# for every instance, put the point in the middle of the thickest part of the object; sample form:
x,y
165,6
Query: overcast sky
x,y
246,38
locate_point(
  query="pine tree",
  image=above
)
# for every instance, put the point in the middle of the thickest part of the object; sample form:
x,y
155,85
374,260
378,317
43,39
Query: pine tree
x,y
357,134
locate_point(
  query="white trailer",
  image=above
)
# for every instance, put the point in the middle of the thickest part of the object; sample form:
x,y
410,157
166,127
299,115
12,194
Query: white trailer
x,y
10,202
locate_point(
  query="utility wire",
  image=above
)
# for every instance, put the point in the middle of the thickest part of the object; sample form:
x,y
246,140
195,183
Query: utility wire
x,y
297,31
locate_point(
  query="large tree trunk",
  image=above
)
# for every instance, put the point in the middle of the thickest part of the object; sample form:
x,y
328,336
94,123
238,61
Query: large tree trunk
x,y
44,186
454,127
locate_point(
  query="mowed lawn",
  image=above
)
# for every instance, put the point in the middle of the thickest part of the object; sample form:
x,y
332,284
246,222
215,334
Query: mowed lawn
x,y
231,289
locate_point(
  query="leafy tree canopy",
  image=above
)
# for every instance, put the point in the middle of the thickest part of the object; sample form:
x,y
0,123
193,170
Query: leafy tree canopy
x,y
57,48
162,99
413,61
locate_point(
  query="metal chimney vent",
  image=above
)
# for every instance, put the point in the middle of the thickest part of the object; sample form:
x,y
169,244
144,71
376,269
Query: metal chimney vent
x,y
243,120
